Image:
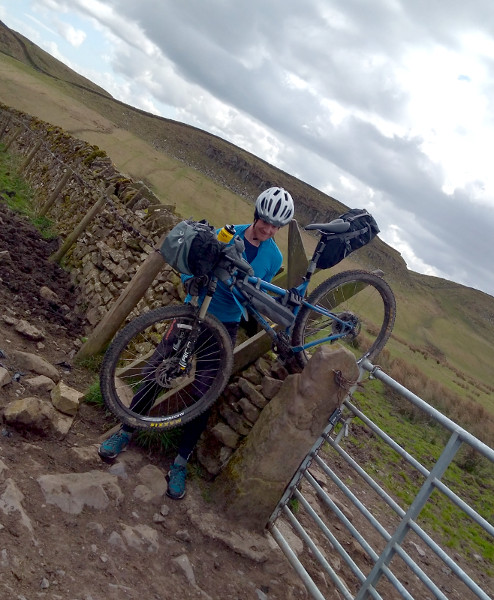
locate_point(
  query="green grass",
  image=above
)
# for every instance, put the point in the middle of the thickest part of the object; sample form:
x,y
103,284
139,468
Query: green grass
x,y
470,476
91,363
440,329
93,395
18,194
152,441
158,441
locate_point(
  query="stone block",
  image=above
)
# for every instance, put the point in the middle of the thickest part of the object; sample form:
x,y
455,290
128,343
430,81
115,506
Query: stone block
x,y
249,487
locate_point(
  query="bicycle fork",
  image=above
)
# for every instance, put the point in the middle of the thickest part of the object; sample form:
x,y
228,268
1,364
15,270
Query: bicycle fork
x,y
188,349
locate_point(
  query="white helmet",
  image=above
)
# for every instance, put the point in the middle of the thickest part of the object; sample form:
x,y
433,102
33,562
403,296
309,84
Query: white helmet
x,y
275,206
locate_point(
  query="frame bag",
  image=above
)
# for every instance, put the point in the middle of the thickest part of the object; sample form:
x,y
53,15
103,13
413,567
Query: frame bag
x,y
192,248
363,229
266,304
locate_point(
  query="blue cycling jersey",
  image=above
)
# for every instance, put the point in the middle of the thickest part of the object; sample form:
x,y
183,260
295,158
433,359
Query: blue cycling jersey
x,y
266,264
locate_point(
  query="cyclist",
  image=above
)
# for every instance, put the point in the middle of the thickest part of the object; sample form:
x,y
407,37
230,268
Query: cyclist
x,y
273,210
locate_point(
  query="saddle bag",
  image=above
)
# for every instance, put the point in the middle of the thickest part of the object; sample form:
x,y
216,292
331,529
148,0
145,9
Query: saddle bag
x,y
363,229
192,248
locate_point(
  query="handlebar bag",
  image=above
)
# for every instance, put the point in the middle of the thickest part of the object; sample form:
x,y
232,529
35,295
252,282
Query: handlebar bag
x,y
192,247
363,229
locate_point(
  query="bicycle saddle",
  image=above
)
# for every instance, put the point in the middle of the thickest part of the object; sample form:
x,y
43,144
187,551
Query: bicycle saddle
x,y
334,226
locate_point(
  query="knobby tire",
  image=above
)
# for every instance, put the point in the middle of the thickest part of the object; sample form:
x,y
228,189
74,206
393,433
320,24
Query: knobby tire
x,y
362,296
138,365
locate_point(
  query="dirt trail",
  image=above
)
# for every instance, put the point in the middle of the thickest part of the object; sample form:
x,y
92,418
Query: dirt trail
x,y
140,545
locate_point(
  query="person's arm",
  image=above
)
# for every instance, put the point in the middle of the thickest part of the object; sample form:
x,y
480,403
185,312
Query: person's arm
x,y
274,263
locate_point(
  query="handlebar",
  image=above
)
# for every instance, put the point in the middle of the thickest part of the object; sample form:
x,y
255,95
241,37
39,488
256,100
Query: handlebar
x,y
243,265
232,259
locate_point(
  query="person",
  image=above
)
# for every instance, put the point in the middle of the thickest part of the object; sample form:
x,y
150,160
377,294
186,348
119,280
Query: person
x,y
273,209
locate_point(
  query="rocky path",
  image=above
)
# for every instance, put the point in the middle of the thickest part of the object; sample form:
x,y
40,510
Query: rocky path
x,y
71,526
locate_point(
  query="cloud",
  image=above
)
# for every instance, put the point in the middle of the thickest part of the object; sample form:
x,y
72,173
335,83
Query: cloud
x,y
74,36
385,105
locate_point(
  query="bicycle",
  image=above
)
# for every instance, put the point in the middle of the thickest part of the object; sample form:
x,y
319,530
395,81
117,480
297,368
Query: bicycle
x,y
169,365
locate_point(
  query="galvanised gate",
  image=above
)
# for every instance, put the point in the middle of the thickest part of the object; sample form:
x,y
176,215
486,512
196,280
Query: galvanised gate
x,y
367,544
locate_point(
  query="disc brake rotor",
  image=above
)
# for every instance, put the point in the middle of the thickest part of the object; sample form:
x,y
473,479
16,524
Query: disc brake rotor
x,y
168,374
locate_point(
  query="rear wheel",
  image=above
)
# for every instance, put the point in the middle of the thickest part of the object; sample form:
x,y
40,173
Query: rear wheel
x,y
141,380
365,307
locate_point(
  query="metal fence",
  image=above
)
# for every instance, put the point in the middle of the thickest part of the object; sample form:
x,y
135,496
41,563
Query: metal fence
x,y
367,539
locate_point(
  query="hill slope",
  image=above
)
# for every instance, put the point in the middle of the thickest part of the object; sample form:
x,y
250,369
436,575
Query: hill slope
x,y
19,47
206,176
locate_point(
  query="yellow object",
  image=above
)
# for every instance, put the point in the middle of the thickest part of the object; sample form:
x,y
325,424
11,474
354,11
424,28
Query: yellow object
x,y
226,233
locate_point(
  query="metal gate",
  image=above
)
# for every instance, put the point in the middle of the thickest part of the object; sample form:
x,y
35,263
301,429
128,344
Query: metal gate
x,y
369,541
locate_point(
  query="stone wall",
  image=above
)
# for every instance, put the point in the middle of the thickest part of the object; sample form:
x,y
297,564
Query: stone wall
x,y
111,249
237,410
109,252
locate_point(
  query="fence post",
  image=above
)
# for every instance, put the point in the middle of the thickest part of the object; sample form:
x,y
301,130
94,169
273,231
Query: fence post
x,y
13,138
51,200
124,305
296,259
5,125
249,351
251,484
72,237
30,156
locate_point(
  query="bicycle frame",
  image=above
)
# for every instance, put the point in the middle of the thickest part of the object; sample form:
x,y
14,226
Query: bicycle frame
x,y
271,288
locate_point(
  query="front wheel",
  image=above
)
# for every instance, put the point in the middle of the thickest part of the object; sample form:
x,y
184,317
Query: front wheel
x,y
142,381
365,308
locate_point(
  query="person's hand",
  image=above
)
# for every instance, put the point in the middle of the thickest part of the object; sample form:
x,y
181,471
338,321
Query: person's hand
x,y
234,253
232,260
292,297
194,285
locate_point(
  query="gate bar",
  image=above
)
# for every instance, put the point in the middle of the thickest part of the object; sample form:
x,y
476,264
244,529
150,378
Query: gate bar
x,y
464,435
317,553
296,564
447,560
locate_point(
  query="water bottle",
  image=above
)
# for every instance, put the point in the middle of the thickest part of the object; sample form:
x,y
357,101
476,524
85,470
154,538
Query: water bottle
x,y
226,233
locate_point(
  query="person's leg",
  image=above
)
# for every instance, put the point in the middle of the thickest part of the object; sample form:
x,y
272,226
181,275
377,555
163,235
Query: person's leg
x,y
115,444
143,399
191,432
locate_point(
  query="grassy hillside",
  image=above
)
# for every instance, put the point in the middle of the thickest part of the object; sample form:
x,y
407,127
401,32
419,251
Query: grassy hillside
x,y
19,47
443,328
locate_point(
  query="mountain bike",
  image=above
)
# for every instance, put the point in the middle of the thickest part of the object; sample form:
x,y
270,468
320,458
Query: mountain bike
x,y
170,364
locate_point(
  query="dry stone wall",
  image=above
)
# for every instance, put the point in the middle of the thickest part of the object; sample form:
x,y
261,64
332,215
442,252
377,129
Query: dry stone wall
x,y
113,246
109,252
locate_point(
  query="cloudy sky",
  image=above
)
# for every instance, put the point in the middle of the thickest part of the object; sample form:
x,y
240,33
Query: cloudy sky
x,y
383,104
